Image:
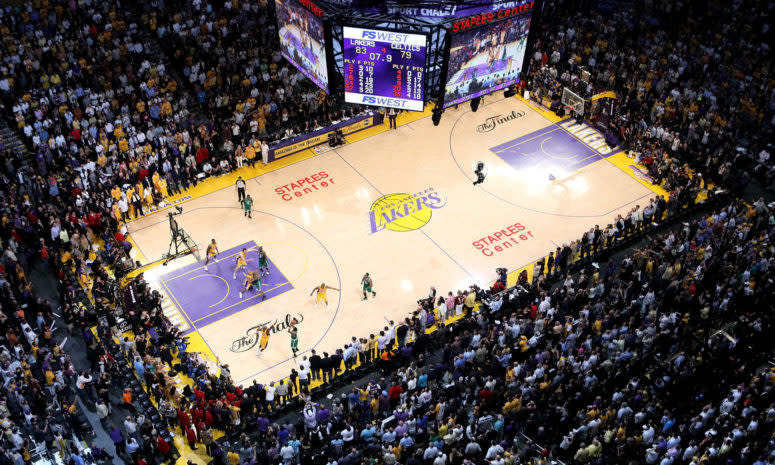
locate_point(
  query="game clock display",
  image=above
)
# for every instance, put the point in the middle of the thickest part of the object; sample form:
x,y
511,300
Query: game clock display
x,y
384,68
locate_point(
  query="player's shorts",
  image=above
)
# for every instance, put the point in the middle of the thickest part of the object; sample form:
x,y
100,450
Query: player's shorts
x,y
212,254
240,263
322,297
263,263
257,285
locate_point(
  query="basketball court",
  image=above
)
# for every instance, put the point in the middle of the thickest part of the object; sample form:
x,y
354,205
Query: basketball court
x,y
398,204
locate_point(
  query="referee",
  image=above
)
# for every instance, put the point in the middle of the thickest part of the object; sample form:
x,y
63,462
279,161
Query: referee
x,y
240,189
392,113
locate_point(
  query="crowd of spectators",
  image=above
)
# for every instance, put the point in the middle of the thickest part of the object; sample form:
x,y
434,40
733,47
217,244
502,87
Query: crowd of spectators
x,y
608,367
97,108
229,52
688,87
40,411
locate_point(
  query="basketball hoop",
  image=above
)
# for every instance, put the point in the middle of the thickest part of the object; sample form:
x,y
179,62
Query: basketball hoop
x,y
573,104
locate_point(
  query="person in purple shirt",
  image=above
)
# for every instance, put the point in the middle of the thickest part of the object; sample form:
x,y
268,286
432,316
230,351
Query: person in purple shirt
x,y
323,415
282,435
263,426
384,402
401,429
117,438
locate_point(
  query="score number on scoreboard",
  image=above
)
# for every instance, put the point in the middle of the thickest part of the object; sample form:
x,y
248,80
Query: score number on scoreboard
x,y
384,68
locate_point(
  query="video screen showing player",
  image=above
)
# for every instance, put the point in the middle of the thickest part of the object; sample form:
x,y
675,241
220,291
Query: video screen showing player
x,y
486,59
302,41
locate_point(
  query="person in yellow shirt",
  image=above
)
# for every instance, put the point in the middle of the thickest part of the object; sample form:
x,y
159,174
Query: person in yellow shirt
x,y
262,334
242,261
129,193
515,405
149,197
234,412
163,188
397,450
250,154
523,343
118,132
321,294
116,211
50,377
104,141
116,193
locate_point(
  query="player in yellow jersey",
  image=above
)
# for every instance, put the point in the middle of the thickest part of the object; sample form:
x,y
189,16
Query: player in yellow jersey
x,y
163,189
212,252
321,291
129,193
117,212
253,279
263,339
242,261
149,197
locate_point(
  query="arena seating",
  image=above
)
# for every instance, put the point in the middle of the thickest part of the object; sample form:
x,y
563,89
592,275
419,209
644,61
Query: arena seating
x,y
578,363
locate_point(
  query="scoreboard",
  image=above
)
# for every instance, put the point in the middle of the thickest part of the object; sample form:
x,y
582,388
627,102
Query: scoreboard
x,y
384,68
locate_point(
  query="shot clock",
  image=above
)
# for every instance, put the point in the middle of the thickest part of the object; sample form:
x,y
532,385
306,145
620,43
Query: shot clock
x,y
384,68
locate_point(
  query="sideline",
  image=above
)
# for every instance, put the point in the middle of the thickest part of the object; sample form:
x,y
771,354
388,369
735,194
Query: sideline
x,y
213,184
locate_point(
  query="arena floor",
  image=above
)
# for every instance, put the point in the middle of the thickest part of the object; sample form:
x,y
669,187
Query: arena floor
x,y
398,204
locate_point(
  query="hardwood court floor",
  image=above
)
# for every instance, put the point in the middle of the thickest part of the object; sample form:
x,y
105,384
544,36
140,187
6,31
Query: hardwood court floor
x,y
399,205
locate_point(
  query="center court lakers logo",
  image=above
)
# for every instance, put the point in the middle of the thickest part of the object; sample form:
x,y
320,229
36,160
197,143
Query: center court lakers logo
x,y
404,212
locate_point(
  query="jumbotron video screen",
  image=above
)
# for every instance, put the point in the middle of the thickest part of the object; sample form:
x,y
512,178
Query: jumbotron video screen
x,y
485,59
302,40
